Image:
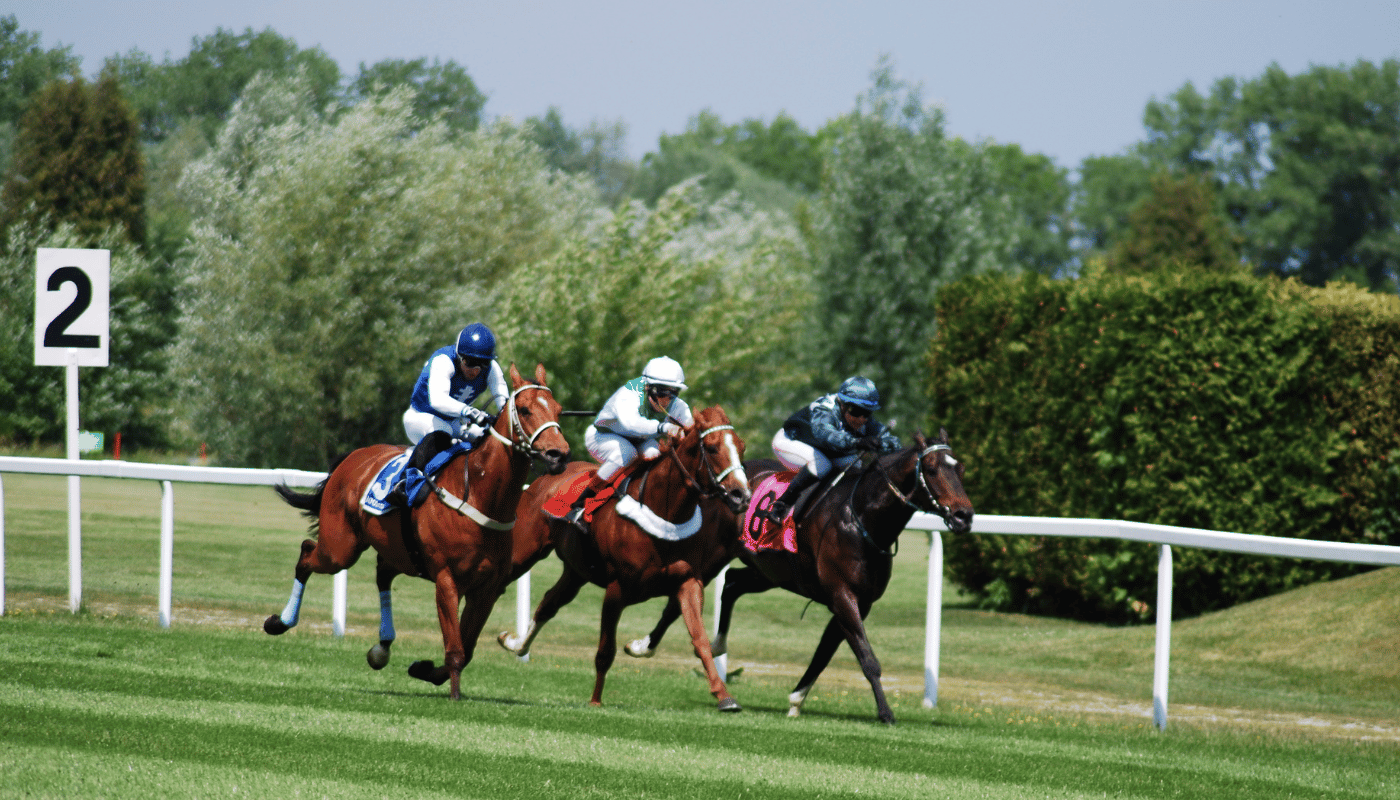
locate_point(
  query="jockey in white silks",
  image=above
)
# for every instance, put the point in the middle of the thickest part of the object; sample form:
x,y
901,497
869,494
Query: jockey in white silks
x,y
452,378
631,422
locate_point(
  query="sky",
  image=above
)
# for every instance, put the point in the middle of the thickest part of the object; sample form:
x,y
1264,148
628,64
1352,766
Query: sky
x,y
1068,79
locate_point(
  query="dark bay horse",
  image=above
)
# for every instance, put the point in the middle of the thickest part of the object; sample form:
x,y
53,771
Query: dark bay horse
x,y
631,564
845,551
461,544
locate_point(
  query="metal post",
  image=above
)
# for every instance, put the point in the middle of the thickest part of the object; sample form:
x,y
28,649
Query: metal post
x,y
1163,653
933,618
167,549
338,587
75,524
522,608
717,586
2,547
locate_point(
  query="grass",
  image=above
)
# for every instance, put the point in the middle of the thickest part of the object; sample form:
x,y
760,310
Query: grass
x,y
1272,699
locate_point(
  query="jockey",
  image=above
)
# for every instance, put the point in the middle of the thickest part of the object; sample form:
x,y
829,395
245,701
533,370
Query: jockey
x,y
630,423
831,431
452,378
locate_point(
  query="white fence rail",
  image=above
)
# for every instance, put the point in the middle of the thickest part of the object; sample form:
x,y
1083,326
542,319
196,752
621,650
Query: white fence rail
x,y
1165,536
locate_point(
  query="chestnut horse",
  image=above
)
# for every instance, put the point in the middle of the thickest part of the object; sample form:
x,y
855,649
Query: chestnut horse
x,y
630,564
845,549
462,545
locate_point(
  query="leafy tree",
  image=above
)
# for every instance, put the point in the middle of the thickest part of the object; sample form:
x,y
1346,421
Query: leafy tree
x,y
1039,193
1109,188
725,290
77,160
328,258
903,210
1177,226
25,67
439,89
598,151
205,84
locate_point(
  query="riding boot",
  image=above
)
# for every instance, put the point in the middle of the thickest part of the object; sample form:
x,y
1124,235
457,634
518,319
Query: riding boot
x,y
575,515
780,508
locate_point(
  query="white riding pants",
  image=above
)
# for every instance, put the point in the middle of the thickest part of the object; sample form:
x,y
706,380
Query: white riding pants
x,y
800,455
615,452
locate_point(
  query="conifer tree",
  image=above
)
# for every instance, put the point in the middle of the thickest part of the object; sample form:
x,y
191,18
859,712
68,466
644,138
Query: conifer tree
x,y
77,159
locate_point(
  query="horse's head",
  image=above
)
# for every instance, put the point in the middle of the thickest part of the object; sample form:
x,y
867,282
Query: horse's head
x,y
531,421
720,452
939,476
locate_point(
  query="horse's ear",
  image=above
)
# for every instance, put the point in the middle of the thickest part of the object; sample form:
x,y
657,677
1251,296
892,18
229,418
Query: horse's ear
x,y
920,440
540,377
942,435
515,379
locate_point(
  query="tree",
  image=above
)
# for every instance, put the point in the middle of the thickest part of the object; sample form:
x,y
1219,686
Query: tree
x,y
439,89
1039,193
77,160
205,84
903,210
1176,226
599,151
25,67
328,258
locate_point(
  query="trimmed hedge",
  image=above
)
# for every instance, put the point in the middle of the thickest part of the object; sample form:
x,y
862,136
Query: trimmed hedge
x,y
1189,398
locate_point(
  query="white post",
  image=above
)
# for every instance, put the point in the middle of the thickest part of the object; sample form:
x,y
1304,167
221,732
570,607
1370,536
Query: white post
x,y
933,618
167,549
717,586
2,547
522,608
75,524
1163,654
339,584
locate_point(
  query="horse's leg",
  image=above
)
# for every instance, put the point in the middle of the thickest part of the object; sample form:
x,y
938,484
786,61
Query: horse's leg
x,y
852,620
737,583
691,598
645,647
607,639
826,648
453,656
561,594
475,611
335,549
378,656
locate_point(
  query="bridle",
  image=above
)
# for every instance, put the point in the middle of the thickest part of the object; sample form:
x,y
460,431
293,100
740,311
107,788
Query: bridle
x,y
716,479
520,441
944,512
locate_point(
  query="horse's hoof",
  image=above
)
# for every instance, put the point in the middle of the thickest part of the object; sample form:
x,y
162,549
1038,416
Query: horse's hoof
x,y
510,643
640,648
378,656
729,705
425,671
275,626
794,711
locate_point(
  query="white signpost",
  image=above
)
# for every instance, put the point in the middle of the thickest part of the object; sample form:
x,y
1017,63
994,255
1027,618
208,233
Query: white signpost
x,y
71,319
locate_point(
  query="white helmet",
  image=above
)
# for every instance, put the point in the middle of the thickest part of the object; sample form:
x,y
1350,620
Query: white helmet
x,y
664,371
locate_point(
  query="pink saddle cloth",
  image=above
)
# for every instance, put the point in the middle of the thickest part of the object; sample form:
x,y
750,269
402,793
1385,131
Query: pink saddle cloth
x,y
759,533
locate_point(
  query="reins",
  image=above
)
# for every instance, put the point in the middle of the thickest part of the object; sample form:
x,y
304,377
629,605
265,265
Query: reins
x,y
908,500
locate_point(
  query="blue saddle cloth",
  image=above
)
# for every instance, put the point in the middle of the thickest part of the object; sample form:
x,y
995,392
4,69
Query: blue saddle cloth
x,y
378,500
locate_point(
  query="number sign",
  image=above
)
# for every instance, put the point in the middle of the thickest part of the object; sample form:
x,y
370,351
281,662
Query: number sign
x,y
71,306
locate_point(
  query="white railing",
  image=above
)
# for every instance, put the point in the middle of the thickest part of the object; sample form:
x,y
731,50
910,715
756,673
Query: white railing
x,y
1162,535
167,474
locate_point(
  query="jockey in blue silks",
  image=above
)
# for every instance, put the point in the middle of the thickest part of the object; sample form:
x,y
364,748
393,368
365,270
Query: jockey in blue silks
x,y
831,431
630,423
451,379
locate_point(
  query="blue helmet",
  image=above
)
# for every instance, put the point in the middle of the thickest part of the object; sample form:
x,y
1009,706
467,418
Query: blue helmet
x,y
859,391
476,341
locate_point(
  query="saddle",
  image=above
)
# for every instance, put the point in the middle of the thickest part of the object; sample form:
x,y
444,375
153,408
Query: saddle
x,y
406,477
758,532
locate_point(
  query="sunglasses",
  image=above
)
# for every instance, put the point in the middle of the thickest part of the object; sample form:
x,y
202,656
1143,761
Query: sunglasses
x,y
473,363
662,391
858,412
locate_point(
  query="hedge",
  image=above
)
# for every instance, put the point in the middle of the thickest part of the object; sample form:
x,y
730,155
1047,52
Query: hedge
x,y
1188,398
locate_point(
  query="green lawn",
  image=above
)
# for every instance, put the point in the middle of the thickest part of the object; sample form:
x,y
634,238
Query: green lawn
x,y
1294,695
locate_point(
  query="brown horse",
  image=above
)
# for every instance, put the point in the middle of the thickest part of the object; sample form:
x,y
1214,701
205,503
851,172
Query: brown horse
x,y
631,564
845,549
462,545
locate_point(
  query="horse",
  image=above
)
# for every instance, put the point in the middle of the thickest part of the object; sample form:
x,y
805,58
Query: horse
x,y
463,545
630,564
845,541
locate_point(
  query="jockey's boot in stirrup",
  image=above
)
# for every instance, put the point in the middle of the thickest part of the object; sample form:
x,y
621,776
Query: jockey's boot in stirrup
x,y
575,515
779,510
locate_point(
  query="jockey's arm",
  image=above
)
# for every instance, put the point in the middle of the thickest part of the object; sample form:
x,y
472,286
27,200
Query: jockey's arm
x,y
496,385
440,371
621,415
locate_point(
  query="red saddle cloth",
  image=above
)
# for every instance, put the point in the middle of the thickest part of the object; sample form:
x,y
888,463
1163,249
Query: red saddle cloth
x,y
561,503
759,533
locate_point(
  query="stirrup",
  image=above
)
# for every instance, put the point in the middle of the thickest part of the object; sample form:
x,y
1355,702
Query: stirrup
x,y
777,512
575,518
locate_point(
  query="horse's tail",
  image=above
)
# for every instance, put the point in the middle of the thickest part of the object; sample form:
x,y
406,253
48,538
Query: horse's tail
x,y
308,504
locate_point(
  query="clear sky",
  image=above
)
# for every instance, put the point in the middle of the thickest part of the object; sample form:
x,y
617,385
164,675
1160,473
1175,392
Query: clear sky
x,y
1067,78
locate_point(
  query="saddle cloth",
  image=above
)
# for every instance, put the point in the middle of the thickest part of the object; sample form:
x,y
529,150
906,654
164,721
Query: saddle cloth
x,y
377,499
561,503
759,533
